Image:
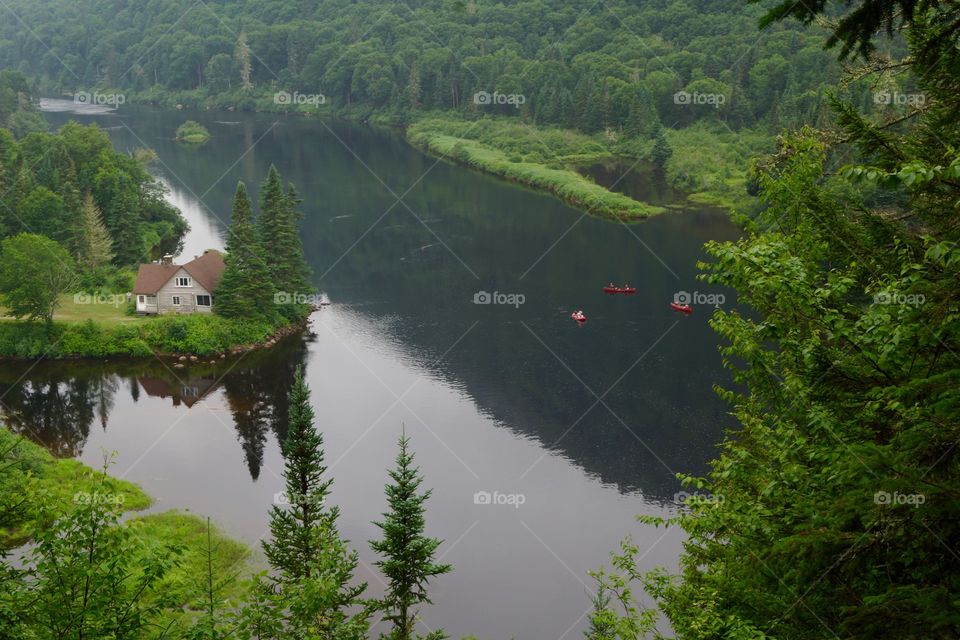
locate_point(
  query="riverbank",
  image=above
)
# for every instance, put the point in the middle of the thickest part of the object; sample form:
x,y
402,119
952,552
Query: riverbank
x,y
177,336
51,487
539,158
708,163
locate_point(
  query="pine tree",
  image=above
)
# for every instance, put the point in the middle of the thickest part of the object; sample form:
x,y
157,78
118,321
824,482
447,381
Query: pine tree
x,y
127,235
312,564
408,555
94,248
661,151
281,239
296,532
246,289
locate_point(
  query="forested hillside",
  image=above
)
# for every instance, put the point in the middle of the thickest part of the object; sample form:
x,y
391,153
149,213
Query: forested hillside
x,y
608,66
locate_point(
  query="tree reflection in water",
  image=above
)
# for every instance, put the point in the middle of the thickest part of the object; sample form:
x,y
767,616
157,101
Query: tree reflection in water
x,y
55,406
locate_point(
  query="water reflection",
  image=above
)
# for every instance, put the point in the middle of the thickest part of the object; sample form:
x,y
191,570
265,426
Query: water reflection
x,y
58,410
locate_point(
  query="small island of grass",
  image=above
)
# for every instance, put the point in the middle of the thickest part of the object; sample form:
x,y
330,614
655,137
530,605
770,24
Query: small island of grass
x,y
192,132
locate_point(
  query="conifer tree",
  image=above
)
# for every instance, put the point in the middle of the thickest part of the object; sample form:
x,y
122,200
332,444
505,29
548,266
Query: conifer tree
x,y
313,566
94,248
246,289
296,531
281,240
408,555
127,232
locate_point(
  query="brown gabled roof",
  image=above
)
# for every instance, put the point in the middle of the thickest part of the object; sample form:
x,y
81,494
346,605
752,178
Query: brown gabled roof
x,y
206,270
151,277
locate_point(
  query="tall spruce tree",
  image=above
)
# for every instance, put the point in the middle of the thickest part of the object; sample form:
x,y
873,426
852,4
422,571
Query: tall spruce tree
x,y
312,564
297,528
92,241
408,555
246,289
279,232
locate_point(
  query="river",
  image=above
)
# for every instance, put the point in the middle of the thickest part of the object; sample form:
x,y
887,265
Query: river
x,y
576,429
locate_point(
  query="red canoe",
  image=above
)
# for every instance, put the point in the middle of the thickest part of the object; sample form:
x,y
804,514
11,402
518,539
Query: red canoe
x,y
579,317
682,308
613,290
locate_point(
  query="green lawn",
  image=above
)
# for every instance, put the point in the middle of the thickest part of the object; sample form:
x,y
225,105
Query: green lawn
x,y
105,310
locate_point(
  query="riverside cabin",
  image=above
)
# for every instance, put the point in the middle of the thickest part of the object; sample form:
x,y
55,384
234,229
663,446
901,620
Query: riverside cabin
x,y
166,287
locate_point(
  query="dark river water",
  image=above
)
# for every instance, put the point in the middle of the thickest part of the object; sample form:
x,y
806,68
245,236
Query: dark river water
x,y
584,426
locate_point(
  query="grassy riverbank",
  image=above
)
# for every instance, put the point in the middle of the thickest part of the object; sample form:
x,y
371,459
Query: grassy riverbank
x,y
540,158
707,161
50,487
711,163
105,330
33,472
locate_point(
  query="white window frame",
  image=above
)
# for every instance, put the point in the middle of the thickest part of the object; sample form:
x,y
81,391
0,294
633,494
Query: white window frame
x,y
142,299
188,282
208,297
176,301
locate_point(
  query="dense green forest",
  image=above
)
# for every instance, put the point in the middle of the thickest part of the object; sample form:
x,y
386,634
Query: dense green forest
x,y
589,66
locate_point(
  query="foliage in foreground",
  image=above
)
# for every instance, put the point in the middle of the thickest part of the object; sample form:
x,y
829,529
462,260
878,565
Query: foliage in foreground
x,y
407,554
172,575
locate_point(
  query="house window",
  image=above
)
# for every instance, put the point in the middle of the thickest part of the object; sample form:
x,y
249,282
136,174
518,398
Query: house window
x,y
183,281
203,301
176,301
140,299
